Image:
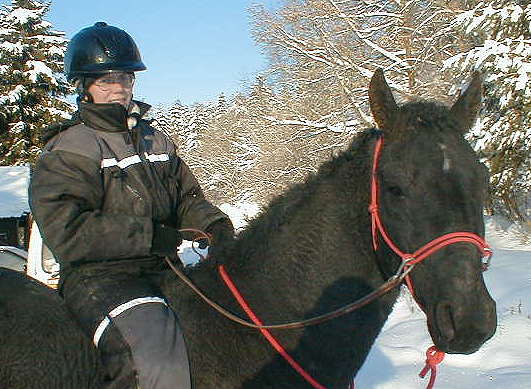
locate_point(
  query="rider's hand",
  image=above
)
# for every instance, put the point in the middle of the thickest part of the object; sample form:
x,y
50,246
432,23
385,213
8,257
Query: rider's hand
x,y
202,243
165,241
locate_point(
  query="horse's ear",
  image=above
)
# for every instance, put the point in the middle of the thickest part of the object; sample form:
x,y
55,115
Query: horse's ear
x,y
466,108
381,100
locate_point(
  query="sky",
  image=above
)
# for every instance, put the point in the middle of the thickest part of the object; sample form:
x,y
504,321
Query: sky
x,y
194,50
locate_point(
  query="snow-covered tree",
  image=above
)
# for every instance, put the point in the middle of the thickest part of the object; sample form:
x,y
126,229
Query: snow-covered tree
x,y
222,104
323,52
179,122
33,88
503,133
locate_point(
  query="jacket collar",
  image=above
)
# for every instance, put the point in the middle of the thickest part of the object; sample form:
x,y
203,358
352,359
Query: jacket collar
x,y
105,117
108,117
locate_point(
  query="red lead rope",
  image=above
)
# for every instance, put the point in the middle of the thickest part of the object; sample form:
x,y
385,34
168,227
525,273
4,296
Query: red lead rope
x,y
433,355
267,334
433,358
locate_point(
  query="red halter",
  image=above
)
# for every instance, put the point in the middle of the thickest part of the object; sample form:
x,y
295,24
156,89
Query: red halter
x,y
434,356
408,259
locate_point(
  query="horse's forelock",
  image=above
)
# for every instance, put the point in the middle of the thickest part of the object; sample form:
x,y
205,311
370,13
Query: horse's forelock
x,y
416,117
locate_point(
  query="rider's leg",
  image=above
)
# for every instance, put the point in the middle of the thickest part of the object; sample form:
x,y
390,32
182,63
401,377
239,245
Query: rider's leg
x,y
157,346
135,331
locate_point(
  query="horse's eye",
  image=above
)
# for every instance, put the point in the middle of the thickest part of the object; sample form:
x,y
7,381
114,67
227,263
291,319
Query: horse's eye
x,y
395,191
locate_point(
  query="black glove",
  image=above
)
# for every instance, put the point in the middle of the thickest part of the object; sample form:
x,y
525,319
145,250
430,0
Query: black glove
x,y
202,243
219,231
165,241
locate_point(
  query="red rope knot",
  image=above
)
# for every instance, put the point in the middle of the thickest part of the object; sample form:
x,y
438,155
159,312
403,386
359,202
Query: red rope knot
x,y
373,208
433,358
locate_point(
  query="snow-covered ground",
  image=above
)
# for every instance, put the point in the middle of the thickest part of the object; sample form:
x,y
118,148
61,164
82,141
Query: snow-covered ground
x,y
399,352
14,181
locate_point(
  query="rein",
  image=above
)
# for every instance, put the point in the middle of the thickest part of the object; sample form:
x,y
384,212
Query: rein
x,y
393,282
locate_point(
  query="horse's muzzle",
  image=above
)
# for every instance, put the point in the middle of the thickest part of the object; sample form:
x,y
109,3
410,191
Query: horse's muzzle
x,y
461,327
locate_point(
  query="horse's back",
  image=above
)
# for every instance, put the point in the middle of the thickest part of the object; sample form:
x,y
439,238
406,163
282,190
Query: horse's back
x,y
41,345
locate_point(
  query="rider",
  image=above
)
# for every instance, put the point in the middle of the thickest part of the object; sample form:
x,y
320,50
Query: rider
x,y
109,194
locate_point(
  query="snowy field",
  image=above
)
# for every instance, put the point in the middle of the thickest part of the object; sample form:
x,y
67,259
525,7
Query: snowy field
x,y
399,352
14,181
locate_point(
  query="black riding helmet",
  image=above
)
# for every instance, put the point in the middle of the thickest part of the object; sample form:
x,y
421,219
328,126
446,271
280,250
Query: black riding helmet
x,y
101,49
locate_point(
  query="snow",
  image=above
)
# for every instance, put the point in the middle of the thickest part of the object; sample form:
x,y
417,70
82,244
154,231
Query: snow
x,y
399,352
523,78
240,213
59,112
37,68
15,48
22,15
14,181
51,39
14,95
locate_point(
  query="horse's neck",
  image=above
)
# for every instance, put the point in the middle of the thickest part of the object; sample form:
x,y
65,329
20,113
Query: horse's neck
x,y
308,244
311,260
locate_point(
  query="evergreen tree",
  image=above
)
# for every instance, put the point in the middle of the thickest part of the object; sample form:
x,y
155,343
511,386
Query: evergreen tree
x,y
32,87
503,133
222,104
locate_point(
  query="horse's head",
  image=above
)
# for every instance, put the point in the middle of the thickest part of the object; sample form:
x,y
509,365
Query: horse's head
x,y
431,184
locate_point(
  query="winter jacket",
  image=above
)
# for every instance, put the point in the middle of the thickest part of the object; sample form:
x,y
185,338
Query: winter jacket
x,y
98,188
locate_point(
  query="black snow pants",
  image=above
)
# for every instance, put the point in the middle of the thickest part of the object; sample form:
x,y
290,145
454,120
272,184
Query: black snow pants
x,y
129,321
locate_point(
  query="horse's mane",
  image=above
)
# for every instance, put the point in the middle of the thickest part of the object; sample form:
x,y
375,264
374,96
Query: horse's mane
x,y
426,116
281,208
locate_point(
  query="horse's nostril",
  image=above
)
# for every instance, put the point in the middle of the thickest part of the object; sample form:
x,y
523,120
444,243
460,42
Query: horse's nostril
x,y
445,321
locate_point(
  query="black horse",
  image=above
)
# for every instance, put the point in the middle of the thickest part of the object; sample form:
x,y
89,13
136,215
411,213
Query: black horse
x,y
310,252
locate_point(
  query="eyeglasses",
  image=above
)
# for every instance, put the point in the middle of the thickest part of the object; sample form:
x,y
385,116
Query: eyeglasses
x,y
106,82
